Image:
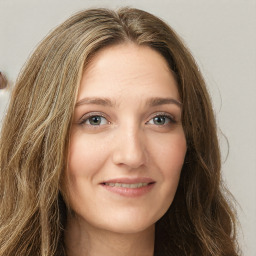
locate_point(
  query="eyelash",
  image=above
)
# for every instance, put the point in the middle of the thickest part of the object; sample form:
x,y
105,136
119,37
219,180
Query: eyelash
x,y
86,118
170,117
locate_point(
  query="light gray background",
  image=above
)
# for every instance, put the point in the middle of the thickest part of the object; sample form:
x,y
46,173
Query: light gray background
x,y
221,36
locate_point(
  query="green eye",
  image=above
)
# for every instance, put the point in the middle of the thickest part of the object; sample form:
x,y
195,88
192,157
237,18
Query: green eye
x,y
96,120
161,120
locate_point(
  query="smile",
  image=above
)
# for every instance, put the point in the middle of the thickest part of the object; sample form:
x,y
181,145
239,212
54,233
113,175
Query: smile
x,y
124,185
129,187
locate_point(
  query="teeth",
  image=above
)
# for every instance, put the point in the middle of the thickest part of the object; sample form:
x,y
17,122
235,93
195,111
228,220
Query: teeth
x,y
123,185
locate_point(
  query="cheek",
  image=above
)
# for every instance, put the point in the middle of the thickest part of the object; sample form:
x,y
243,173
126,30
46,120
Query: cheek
x,y
86,155
172,157
171,148
169,158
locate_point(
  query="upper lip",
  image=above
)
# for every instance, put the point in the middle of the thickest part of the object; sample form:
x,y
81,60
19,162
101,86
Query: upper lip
x,y
130,180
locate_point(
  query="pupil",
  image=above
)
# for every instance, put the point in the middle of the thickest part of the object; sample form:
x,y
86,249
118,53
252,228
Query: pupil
x,y
95,120
159,120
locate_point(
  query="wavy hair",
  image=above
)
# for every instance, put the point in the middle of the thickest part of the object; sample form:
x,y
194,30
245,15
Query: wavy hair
x,y
35,139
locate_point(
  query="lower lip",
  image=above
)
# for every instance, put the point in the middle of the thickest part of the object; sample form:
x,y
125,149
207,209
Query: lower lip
x,y
129,192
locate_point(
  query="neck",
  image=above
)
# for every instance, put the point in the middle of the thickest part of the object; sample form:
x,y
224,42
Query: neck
x,y
82,239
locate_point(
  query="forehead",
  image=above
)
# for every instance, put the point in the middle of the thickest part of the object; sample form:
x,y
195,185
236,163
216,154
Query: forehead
x,y
127,69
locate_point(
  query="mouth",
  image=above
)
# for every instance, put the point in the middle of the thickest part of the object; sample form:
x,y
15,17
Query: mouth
x,y
125,185
129,187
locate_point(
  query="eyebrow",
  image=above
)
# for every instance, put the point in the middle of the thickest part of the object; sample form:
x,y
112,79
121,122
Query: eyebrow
x,y
96,101
152,102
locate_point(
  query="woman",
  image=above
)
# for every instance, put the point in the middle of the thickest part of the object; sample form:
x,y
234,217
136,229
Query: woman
x,y
109,146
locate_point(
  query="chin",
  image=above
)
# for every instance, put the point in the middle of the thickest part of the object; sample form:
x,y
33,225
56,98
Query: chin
x,y
129,228
127,222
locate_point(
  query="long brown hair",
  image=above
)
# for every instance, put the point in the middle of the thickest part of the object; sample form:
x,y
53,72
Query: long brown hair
x,y
35,138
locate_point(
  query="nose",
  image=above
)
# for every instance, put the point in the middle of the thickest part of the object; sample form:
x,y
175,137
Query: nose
x,y
130,148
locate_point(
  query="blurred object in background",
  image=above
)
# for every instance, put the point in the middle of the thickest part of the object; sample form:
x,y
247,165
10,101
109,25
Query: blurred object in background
x,y
3,81
4,96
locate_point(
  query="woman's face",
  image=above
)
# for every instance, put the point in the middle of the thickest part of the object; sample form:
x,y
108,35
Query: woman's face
x,y
127,142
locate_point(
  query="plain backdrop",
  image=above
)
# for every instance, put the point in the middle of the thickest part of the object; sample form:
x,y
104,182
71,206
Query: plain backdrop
x,y
222,37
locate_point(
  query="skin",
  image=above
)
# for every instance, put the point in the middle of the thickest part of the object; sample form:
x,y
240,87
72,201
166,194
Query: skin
x,y
127,140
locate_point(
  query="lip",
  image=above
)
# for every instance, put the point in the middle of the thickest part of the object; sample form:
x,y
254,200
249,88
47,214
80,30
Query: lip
x,y
128,180
129,192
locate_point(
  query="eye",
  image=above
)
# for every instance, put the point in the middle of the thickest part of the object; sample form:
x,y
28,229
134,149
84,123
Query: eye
x,y
161,120
95,120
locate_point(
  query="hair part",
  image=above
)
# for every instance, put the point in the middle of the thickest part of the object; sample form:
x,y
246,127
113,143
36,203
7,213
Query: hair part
x,y
35,139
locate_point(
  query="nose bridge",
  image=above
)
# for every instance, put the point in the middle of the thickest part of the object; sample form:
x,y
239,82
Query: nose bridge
x,y
130,146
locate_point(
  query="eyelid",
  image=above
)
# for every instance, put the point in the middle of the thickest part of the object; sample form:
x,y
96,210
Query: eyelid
x,y
165,114
91,114
86,116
